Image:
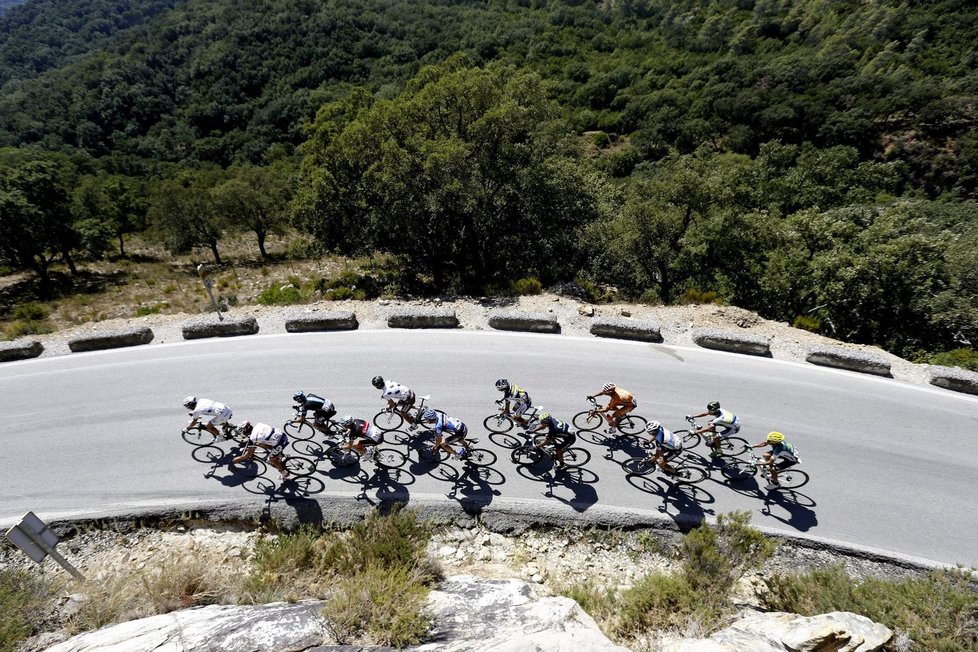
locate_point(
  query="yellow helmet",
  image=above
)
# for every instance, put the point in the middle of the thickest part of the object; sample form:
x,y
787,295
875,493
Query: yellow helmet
x,y
775,437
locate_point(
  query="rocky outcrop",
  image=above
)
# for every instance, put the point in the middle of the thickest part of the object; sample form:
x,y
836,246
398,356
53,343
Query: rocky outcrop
x,y
20,350
515,320
210,326
422,317
330,320
110,340
838,631
713,338
843,358
954,378
626,329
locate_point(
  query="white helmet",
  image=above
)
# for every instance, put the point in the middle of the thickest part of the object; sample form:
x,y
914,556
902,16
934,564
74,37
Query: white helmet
x,y
608,387
653,426
190,402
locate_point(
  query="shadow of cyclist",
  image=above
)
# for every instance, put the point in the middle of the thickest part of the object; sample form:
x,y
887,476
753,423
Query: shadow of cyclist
x,y
579,481
683,503
800,517
472,489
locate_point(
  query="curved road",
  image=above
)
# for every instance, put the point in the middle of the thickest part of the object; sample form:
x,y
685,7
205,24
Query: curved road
x,y
891,463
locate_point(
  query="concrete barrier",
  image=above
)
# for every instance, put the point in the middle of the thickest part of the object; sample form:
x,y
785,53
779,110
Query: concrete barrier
x,y
20,350
626,329
843,358
422,317
110,339
515,320
954,378
713,338
209,326
331,320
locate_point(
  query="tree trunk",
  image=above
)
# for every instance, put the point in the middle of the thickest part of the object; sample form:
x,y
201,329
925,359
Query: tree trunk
x,y
262,234
122,246
217,255
70,262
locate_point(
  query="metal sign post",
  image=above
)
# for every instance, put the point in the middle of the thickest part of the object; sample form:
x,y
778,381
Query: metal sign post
x,y
38,541
208,284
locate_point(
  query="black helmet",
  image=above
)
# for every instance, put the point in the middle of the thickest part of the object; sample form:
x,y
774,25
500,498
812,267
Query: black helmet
x,y
245,427
378,382
502,384
713,407
299,397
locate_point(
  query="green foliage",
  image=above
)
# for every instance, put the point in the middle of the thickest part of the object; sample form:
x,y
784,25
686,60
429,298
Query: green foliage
x,y
807,322
965,358
715,557
525,286
664,602
280,295
938,612
31,311
694,296
152,309
23,599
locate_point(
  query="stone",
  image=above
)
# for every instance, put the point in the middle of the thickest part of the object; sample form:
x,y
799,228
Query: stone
x,y
843,358
333,320
954,378
210,326
516,320
587,311
20,350
627,329
721,340
422,317
111,340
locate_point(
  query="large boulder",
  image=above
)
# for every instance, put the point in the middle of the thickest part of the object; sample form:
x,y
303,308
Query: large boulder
x,y
517,320
627,329
210,326
954,378
110,339
329,320
20,350
843,358
422,317
722,340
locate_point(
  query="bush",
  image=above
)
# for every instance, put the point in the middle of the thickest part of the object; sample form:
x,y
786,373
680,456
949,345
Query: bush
x,y
601,140
153,309
526,286
349,285
30,312
807,322
280,295
22,602
715,557
16,329
660,602
965,358
939,612
695,296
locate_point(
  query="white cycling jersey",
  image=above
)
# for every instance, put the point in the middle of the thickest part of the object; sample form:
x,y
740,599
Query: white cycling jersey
x,y
262,433
218,412
395,391
669,439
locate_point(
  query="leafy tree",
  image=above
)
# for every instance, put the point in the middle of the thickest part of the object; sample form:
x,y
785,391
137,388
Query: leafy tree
x,y
107,207
185,214
256,199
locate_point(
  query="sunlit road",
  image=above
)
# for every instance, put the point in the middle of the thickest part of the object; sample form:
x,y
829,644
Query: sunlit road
x,y
891,463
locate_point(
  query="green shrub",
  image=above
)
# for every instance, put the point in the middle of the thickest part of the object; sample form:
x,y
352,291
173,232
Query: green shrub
x,y
965,358
395,539
650,298
601,140
590,289
715,557
16,329
349,285
22,602
695,296
153,309
527,286
807,322
599,601
30,312
659,601
341,294
939,611
280,295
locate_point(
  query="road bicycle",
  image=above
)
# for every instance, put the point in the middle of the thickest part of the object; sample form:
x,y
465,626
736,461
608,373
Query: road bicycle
x,y
686,471
392,419
737,469
502,423
299,467
304,430
346,454
535,450
594,421
479,457
199,435
691,439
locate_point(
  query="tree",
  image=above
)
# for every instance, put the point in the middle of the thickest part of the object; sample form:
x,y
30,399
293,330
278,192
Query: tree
x,y
109,206
257,199
185,214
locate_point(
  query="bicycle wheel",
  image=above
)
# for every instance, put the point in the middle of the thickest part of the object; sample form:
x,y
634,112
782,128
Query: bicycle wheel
x,y
432,455
691,438
299,466
388,420
632,424
342,456
733,445
302,431
527,456
198,436
588,420
575,457
480,457
249,468
689,474
506,440
737,469
498,423
388,458
639,465
792,478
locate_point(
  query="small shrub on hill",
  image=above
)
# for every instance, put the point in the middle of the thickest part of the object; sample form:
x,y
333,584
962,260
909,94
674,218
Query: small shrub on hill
x,y
22,601
280,295
964,357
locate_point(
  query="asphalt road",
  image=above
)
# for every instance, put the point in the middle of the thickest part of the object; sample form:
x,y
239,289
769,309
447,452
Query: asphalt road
x,y
891,462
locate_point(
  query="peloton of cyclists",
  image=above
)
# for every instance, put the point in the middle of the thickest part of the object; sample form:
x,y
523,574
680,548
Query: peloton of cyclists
x,y
271,439
322,410
207,413
781,456
518,397
619,400
399,398
723,424
559,435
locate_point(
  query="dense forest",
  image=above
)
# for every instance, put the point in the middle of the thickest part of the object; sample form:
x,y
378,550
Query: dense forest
x,y
814,160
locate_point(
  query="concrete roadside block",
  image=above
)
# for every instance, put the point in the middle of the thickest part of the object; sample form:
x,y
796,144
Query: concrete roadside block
x,y
721,340
515,320
209,326
422,317
20,350
331,320
110,339
954,378
843,358
626,329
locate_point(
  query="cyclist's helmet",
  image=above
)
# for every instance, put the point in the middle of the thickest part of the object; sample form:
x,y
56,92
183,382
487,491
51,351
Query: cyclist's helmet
x,y
299,397
653,427
378,382
775,437
190,402
428,415
608,387
245,427
502,384
544,416
346,421
713,407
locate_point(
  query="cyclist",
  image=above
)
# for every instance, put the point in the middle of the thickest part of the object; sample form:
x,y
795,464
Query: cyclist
x,y
269,438
619,400
667,446
448,430
208,413
360,434
559,435
322,410
518,397
399,398
723,424
781,456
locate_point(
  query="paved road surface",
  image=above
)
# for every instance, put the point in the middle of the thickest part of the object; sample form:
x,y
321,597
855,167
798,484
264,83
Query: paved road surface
x,y
891,463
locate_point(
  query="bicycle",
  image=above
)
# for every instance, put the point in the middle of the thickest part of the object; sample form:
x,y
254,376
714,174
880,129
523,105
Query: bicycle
x,y
479,457
500,423
534,450
692,438
347,455
737,470
594,421
199,435
686,471
391,419
304,430
299,467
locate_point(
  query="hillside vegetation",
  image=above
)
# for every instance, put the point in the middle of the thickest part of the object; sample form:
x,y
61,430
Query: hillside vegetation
x,y
814,161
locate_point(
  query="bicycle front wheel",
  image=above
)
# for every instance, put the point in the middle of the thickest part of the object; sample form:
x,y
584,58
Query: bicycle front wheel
x,y
689,474
733,445
498,423
480,457
575,457
526,456
632,424
691,438
588,420
302,430
737,469
198,436
342,456
388,420
299,466
638,465
792,478
388,458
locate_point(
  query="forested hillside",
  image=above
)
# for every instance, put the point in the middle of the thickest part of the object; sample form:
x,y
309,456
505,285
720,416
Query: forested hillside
x,y
7,4
814,160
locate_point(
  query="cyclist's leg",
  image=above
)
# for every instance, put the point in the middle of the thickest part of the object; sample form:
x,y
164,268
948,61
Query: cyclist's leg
x,y
667,456
249,453
519,408
404,407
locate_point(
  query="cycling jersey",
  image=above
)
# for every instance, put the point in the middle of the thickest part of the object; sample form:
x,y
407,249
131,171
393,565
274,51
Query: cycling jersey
x,y
365,430
668,440
784,451
316,404
450,425
726,422
559,431
218,412
262,433
516,394
621,398
396,392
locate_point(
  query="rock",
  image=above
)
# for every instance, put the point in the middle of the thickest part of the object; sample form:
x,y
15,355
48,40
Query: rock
x,y
209,326
954,378
627,329
515,320
20,350
422,318
721,340
111,339
587,311
843,358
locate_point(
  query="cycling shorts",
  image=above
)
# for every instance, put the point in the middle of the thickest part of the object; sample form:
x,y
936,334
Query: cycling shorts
x,y
452,437
320,417
219,418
